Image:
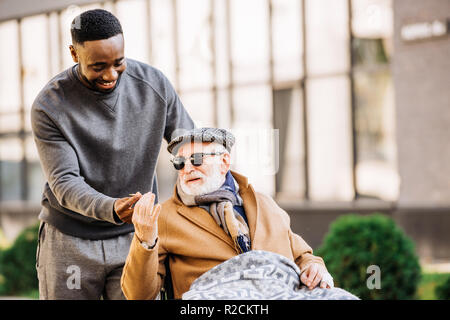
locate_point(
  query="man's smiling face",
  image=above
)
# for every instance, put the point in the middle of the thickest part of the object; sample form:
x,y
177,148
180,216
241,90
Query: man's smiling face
x,y
101,62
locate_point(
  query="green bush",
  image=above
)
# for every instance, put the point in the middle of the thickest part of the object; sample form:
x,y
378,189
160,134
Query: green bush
x,y
355,242
428,284
18,264
443,290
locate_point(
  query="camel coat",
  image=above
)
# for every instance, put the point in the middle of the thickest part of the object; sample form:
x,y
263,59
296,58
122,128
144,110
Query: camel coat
x,y
194,243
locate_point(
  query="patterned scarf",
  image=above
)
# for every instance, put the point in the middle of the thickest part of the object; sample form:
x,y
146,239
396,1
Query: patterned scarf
x,y
220,205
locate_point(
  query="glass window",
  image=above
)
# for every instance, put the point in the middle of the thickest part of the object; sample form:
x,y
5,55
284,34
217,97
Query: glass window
x,y
253,155
110,6
256,139
162,36
376,167
287,40
330,139
250,41
54,58
194,44
36,179
10,122
288,120
35,60
167,175
223,108
375,122
221,44
11,149
66,18
31,152
11,154
253,106
327,36
372,18
132,15
200,106
9,78
10,180
263,118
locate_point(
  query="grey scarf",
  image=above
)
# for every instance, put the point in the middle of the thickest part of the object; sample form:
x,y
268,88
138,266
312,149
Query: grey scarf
x,y
220,204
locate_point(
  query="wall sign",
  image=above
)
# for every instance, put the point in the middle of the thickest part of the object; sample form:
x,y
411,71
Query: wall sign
x,y
425,30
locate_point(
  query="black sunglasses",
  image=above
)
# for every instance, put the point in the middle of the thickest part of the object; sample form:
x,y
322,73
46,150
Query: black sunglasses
x,y
195,158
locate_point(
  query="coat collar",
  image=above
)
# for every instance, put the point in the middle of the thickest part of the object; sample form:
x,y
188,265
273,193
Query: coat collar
x,y
203,219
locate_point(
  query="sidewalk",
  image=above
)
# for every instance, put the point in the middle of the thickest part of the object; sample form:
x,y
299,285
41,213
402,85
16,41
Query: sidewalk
x,y
436,267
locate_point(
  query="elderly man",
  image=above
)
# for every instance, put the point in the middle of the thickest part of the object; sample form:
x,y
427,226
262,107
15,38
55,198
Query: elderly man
x,y
213,216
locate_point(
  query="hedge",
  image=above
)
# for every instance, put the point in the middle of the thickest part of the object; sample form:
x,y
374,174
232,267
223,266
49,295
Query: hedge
x,y
18,264
355,242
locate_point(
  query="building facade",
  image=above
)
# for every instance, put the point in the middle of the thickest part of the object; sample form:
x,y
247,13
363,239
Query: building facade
x,y
336,107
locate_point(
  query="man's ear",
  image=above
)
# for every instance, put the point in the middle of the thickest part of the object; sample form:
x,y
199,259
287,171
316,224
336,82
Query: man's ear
x,y
73,53
225,163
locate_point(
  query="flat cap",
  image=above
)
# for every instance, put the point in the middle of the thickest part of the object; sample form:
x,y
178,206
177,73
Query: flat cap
x,y
220,136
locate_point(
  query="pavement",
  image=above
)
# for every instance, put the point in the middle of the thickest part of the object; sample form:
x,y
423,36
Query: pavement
x,y
437,267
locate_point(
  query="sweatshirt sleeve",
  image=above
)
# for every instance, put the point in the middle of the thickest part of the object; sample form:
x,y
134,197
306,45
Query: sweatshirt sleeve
x,y
60,166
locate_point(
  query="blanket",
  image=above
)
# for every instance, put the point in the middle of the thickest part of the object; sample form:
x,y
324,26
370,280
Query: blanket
x,y
258,275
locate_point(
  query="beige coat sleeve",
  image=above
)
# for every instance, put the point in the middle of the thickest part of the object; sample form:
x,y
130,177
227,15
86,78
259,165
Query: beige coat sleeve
x,y
143,272
303,253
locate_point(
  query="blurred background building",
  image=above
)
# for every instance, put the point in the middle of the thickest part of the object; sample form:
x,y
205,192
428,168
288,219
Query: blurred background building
x,y
339,106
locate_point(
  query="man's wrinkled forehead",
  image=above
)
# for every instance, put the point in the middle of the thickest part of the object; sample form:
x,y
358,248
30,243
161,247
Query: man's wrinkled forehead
x,y
189,148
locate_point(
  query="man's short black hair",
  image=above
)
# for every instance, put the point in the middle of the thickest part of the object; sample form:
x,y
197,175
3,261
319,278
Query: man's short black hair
x,y
97,24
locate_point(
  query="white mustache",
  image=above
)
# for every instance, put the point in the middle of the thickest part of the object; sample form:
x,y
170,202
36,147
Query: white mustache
x,y
193,176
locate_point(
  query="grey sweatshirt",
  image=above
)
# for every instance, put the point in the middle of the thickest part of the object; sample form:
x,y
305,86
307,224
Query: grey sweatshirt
x,y
96,147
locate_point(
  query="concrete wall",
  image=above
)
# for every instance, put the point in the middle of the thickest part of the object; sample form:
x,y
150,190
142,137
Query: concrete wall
x,y
421,71
15,216
426,226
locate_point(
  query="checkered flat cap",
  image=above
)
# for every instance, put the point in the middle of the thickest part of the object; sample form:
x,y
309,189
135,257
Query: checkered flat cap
x,y
220,136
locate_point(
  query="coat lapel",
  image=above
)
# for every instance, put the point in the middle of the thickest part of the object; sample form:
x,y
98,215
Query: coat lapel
x,y
203,219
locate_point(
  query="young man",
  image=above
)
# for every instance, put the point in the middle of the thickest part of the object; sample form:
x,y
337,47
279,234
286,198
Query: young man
x,y
213,215
98,128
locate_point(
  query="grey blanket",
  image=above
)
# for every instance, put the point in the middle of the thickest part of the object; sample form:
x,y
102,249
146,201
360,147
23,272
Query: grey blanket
x,y
258,275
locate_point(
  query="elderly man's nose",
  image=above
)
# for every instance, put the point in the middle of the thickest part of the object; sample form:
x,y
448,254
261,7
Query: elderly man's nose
x,y
188,167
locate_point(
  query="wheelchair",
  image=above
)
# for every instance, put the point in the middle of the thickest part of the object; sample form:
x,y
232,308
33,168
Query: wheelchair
x,y
166,292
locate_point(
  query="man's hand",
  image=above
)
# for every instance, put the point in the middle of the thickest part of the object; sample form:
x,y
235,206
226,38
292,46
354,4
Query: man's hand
x,y
123,207
316,274
145,218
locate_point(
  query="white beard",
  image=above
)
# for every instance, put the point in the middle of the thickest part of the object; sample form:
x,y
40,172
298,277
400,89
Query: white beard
x,y
209,184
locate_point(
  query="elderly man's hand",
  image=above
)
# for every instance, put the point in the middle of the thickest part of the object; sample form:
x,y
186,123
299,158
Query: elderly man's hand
x,y
316,274
145,218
